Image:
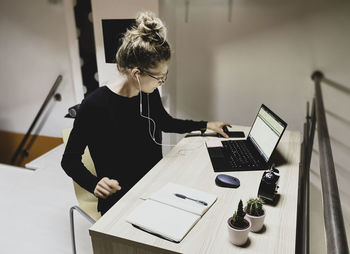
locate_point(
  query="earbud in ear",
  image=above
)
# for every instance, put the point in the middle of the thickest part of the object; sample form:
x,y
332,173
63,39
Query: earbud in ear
x,y
137,77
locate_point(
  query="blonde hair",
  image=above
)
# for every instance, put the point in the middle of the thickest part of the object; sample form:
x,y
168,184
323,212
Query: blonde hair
x,y
143,46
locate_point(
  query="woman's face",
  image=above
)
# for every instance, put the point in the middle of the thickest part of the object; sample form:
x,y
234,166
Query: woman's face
x,y
152,78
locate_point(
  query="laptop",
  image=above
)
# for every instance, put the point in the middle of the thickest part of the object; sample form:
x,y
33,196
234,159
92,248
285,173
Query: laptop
x,y
253,153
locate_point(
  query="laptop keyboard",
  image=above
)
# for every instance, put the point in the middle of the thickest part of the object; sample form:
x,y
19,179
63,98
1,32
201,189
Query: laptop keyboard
x,y
239,155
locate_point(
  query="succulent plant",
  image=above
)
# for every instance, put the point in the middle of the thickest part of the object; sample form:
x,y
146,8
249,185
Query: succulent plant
x,y
238,217
254,207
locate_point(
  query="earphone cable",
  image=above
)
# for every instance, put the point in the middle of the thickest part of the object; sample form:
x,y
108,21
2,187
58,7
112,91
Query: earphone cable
x,y
149,124
149,118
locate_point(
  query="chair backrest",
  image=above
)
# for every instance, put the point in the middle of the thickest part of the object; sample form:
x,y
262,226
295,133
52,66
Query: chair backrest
x,y
86,200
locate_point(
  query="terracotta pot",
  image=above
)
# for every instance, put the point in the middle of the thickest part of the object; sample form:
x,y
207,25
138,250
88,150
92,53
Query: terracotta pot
x,y
238,236
257,222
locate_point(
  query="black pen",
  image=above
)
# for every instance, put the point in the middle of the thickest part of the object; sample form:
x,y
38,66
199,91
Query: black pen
x,y
195,200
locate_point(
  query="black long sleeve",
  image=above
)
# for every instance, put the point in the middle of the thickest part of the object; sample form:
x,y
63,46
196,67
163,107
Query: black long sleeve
x,y
77,142
118,139
169,124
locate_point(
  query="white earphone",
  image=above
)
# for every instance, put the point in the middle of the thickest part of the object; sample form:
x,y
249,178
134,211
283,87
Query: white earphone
x,y
181,151
148,117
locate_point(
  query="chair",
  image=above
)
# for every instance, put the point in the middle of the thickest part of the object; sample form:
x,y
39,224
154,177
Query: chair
x,y
87,202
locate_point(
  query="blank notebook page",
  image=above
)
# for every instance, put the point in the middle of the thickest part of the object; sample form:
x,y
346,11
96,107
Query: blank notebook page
x,y
170,222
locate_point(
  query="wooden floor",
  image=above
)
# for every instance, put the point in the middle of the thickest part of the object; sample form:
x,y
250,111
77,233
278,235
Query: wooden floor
x,y
36,146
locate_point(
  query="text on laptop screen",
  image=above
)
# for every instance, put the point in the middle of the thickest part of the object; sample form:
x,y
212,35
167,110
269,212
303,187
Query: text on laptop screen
x,y
265,132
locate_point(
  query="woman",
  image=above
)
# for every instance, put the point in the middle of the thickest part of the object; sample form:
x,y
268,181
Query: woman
x,y
118,121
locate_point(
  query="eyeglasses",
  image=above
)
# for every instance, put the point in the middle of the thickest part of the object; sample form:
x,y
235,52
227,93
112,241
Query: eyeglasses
x,y
160,80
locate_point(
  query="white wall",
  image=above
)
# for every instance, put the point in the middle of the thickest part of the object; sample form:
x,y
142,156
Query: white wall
x,y
34,51
266,54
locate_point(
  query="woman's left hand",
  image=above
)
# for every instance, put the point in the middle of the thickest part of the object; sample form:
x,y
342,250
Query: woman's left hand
x,y
217,127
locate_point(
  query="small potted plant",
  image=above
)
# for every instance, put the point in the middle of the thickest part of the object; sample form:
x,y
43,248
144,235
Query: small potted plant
x,y
238,226
255,213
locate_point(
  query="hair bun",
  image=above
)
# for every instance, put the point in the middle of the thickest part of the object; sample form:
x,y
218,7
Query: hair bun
x,y
150,28
144,45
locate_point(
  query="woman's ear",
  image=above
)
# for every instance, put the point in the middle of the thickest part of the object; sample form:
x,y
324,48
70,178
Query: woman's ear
x,y
135,72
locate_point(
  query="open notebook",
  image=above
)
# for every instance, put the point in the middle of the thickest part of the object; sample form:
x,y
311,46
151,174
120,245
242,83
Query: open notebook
x,y
168,216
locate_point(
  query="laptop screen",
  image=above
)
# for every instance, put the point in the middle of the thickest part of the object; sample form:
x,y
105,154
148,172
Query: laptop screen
x,y
266,131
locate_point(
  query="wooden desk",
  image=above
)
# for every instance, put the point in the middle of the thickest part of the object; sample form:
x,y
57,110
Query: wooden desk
x,y
188,164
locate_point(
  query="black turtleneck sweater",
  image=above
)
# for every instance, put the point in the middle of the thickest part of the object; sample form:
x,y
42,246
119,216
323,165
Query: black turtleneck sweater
x,y
118,139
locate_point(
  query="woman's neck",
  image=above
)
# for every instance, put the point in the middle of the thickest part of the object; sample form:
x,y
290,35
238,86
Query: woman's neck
x,y
124,87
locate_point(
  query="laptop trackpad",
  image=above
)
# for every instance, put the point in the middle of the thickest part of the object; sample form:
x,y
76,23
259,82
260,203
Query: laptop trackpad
x,y
216,152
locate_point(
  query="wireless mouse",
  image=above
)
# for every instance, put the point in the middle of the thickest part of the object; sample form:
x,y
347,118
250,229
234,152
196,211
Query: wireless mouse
x,y
223,180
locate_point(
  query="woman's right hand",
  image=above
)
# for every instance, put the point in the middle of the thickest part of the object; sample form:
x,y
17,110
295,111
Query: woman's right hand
x,y
106,187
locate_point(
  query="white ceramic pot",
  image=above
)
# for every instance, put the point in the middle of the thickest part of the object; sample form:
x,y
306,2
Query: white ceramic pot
x,y
238,236
257,222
